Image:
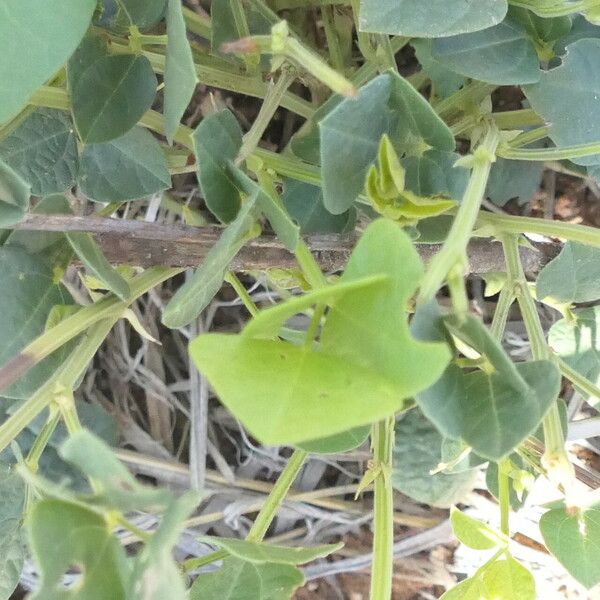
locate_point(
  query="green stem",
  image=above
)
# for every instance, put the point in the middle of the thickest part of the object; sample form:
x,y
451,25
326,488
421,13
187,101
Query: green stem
x,y
525,138
453,253
383,540
242,293
333,41
517,119
42,439
583,385
505,301
198,24
473,93
504,496
267,110
309,266
544,154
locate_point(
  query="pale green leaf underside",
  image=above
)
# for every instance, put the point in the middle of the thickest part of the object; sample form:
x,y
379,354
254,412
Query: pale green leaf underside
x,y
474,533
434,18
36,39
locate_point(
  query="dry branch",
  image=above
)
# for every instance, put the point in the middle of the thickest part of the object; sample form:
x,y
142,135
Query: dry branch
x,y
150,244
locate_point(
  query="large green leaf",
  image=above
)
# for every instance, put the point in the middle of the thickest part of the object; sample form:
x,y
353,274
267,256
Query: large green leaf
x,y
12,542
27,295
304,203
109,93
114,486
42,151
62,535
573,276
121,14
286,394
574,538
156,575
197,292
444,80
95,262
261,553
36,39
418,451
469,589
340,442
180,72
502,55
508,579
544,32
567,98
217,141
435,18
577,342
128,168
351,133
241,580
513,179
14,196
370,326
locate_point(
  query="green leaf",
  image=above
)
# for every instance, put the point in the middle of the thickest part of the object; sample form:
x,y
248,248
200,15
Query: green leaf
x,y
114,486
128,168
574,540
180,72
95,262
370,326
502,55
198,291
14,196
577,342
445,81
27,296
469,589
522,473
217,141
351,133
566,98
513,179
12,542
341,442
42,151
241,580
261,553
437,18
434,173
573,276
287,231
35,41
121,14
474,533
109,93
544,32
417,452
507,579
156,575
62,535
581,29
285,394
304,203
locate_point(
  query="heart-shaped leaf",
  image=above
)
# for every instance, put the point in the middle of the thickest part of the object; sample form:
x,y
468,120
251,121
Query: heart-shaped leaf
x,y
475,533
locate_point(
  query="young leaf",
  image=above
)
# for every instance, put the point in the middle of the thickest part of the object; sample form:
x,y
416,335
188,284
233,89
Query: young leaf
x,y
14,196
95,262
474,533
502,55
27,295
508,579
369,327
438,18
35,41
195,295
180,72
42,151
241,580
115,487
62,535
304,203
128,168
262,553
109,93
217,141
566,98
574,539
12,542
156,575
573,276
417,452
286,394
577,342
351,133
